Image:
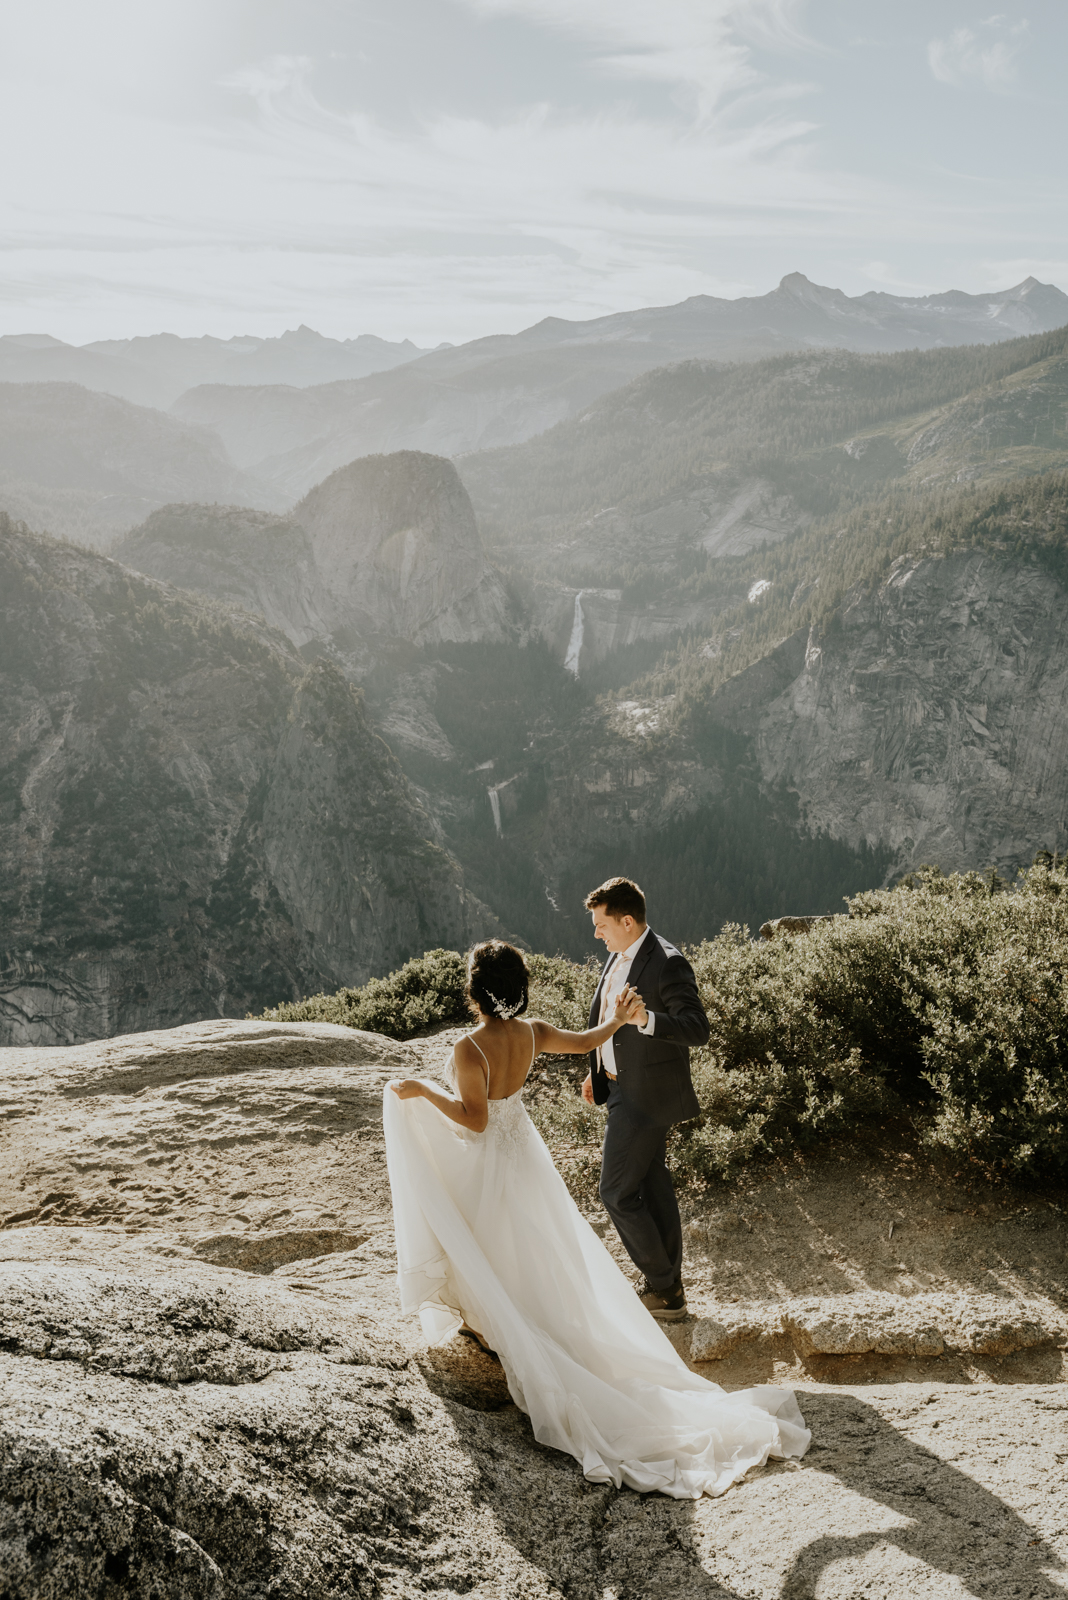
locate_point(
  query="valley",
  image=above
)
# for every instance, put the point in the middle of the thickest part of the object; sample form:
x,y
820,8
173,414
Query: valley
x,y
761,633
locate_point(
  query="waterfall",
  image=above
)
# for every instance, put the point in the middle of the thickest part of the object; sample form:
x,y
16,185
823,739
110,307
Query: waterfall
x,y
495,807
574,649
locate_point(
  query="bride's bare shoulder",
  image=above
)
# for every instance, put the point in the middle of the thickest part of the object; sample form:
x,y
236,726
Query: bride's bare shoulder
x,y
467,1047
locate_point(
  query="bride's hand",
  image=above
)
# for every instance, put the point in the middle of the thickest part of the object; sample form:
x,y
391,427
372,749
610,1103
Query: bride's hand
x,y
629,1002
406,1088
634,1006
620,1014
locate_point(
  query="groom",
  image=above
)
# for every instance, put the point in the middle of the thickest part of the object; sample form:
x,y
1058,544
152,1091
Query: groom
x,y
643,1076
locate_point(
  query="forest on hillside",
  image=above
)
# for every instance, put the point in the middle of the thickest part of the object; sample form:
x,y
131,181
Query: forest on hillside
x,y
675,427
809,576
931,1012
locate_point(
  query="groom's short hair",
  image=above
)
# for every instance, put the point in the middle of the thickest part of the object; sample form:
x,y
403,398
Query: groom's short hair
x,y
620,897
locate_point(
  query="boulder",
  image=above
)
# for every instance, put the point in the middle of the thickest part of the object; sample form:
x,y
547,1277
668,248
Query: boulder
x,y
207,1388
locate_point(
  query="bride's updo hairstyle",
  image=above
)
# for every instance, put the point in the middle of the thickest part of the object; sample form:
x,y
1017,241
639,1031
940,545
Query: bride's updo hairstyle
x,y
497,981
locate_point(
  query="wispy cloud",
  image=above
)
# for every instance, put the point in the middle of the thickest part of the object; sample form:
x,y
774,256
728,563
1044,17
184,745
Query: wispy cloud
x,y
700,45
984,56
441,170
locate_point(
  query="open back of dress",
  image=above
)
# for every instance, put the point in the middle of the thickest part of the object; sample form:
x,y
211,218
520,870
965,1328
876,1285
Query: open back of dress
x,y
486,1231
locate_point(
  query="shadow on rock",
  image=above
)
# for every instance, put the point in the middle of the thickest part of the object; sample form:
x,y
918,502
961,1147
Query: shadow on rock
x,y
954,1525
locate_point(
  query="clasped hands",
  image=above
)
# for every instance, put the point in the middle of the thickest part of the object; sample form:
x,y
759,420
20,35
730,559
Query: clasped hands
x,y
630,1007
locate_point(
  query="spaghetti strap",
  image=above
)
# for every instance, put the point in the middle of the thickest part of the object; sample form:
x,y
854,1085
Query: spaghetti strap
x,y
482,1053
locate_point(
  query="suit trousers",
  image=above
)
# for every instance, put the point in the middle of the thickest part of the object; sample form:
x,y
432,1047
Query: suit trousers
x,y
637,1192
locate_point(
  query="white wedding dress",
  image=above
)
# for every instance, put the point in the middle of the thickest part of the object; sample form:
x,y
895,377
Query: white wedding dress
x,y
486,1231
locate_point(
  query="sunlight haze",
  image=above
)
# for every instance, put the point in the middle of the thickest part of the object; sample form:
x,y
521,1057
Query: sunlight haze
x,y
442,169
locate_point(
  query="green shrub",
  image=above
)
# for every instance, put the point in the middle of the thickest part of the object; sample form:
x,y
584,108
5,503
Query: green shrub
x,y
944,1001
426,993
939,1006
561,991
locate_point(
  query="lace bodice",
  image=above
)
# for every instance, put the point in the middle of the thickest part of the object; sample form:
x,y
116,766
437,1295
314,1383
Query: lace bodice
x,y
508,1123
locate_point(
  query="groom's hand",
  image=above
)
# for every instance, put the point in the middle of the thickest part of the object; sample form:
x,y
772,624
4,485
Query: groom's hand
x,y
587,1089
635,1006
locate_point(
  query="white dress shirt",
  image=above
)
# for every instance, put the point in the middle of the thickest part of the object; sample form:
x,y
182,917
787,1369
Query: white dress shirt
x,y
614,985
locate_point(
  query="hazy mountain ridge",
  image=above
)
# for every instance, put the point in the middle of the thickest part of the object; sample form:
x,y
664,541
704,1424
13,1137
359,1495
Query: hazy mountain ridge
x,y
154,370
88,466
507,388
192,820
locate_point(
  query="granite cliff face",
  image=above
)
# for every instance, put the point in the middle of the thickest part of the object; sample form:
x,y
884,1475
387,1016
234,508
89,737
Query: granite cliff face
x,y
396,540
386,549
933,718
193,822
254,559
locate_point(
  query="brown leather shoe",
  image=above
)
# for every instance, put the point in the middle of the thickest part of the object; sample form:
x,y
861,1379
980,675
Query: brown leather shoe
x,y
666,1305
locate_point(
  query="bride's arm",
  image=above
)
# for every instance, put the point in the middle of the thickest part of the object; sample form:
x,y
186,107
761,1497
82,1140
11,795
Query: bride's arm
x,y
468,1106
562,1042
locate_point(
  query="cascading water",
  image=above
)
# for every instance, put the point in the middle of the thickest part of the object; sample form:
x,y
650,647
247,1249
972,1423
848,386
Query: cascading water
x,y
574,649
495,807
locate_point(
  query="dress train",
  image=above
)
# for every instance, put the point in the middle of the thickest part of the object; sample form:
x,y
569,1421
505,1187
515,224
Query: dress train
x,y
488,1233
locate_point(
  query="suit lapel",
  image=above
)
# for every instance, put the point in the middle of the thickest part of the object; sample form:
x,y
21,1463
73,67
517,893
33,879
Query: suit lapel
x,y
645,950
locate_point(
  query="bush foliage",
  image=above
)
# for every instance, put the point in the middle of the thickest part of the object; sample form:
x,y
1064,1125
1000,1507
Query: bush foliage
x,y
940,1004
428,993
944,1000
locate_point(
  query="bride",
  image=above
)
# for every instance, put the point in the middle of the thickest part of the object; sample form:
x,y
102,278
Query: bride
x,y
490,1242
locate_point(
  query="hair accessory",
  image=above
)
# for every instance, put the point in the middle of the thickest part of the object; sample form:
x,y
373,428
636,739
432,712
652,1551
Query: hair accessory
x,y
505,1012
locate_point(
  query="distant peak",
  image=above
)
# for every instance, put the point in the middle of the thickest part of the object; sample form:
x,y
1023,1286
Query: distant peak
x,y
802,288
33,341
301,335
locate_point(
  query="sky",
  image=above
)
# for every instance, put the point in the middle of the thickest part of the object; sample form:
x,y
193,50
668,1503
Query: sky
x,y
442,169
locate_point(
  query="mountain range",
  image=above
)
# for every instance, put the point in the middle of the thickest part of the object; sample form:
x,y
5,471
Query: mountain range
x,y
155,370
505,389
290,410
761,633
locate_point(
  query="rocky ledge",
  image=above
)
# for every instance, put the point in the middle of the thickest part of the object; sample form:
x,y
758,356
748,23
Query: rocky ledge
x,y
208,1389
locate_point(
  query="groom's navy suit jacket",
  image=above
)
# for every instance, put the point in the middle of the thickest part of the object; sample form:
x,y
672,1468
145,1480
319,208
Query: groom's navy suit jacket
x,y
653,1070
